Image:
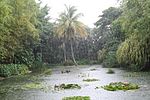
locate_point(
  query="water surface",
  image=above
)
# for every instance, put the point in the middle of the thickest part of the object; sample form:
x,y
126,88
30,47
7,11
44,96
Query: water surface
x,y
76,75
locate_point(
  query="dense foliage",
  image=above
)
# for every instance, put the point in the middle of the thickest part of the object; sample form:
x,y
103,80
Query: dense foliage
x,y
108,35
134,51
28,37
13,69
18,31
123,35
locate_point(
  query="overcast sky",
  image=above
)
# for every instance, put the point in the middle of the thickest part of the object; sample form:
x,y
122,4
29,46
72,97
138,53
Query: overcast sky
x,y
90,8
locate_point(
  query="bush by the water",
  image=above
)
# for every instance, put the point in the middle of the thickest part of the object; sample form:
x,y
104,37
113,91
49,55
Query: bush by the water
x,y
68,63
7,70
114,86
102,55
77,98
86,62
39,67
110,61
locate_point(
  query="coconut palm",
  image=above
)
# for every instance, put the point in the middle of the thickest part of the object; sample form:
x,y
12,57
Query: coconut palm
x,y
70,28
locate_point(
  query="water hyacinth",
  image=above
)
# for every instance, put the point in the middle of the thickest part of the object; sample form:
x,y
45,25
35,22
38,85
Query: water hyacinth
x,y
114,86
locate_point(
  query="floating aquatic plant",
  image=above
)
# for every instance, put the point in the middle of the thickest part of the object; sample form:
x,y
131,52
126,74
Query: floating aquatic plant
x,y
67,86
92,69
114,86
110,71
90,80
77,98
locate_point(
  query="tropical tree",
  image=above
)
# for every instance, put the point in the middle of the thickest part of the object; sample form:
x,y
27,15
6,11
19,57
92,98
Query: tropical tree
x,y
70,28
17,28
135,21
108,36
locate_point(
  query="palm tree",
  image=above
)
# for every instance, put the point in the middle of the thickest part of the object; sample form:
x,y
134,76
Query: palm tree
x,y
69,28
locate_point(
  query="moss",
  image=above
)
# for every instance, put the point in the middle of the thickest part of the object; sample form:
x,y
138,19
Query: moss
x,y
114,86
67,86
110,71
90,80
77,98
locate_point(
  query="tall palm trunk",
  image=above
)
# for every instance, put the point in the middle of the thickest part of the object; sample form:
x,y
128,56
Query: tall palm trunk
x,y
72,53
64,48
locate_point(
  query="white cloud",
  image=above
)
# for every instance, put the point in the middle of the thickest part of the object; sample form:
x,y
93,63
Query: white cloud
x,y
90,8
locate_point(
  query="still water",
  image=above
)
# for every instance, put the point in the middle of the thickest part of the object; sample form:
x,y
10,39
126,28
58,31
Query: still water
x,y
76,75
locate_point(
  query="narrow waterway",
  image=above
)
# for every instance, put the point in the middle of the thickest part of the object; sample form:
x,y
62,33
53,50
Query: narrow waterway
x,y
76,75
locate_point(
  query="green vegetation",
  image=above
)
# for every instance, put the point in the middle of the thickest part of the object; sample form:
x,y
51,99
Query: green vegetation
x,y
7,70
32,86
77,98
90,80
68,63
111,36
110,71
67,86
40,67
87,62
47,72
21,83
114,86
28,37
30,42
134,51
124,36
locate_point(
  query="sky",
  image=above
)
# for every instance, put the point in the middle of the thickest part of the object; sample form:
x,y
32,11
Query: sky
x,y
91,9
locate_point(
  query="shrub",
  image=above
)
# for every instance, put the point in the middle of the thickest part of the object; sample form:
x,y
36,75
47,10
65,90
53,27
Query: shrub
x,y
83,62
24,56
86,62
102,55
38,66
68,63
110,60
13,69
